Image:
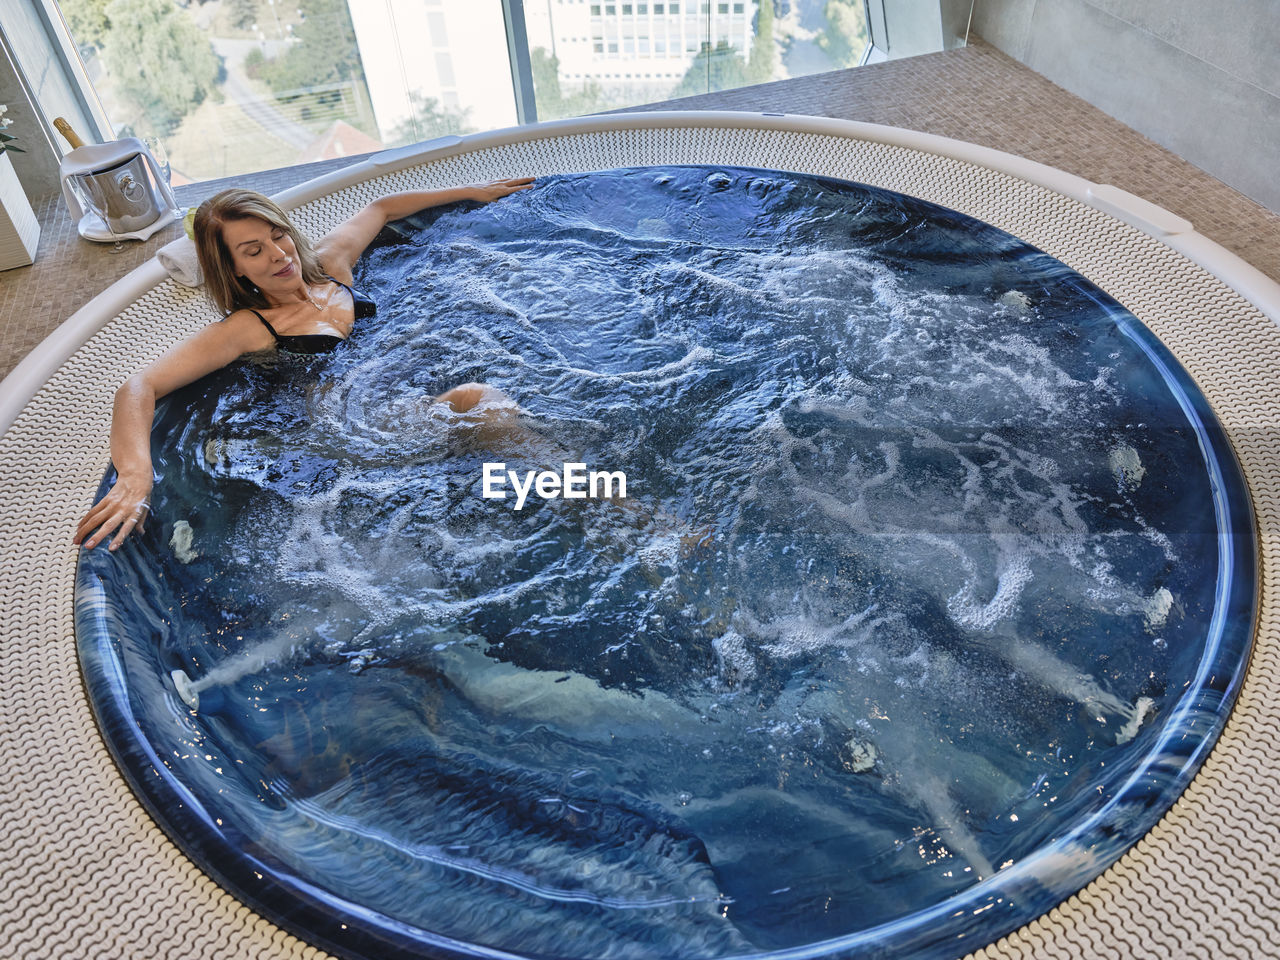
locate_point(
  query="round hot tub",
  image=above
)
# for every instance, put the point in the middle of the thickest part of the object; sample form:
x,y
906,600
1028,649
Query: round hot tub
x,y
91,867
852,579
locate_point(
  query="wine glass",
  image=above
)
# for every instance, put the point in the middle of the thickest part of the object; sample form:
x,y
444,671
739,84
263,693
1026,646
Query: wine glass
x,y
98,204
160,155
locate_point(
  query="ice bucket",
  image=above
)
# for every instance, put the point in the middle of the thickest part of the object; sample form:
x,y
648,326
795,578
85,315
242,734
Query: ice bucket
x,y
122,195
115,190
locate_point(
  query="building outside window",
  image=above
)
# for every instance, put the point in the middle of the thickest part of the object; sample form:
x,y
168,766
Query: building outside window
x,y
711,46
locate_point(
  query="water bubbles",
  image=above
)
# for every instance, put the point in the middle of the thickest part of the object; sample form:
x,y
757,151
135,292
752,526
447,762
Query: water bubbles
x,y
1126,466
1017,301
737,665
1157,607
859,755
182,542
899,601
654,227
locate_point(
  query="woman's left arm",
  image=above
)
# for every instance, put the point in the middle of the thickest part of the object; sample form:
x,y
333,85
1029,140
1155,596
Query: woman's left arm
x,y
342,246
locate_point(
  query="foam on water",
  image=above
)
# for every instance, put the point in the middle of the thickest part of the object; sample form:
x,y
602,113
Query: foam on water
x,y
1127,466
896,540
181,542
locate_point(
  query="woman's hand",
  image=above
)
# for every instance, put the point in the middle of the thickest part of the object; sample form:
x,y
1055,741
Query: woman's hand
x,y
125,507
127,504
486,192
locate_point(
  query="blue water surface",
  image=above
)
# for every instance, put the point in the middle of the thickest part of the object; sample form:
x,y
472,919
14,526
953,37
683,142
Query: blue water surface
x,y
933,584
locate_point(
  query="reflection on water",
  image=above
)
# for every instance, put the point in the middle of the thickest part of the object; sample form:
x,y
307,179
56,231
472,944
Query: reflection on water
x,y
920,551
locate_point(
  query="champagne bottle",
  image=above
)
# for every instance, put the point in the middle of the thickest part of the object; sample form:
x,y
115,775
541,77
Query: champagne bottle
x,y
72,137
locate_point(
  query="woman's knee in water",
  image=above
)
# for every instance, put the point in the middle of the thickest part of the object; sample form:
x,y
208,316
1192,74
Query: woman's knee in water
x,y
467,396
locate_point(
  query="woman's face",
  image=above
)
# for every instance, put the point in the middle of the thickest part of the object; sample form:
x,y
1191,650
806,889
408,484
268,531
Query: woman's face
x,y
264,255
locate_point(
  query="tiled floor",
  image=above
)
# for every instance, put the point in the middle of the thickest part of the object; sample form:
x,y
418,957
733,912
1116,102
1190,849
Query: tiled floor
x,y
975,94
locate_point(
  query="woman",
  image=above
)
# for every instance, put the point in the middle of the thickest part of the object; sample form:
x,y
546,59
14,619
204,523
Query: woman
x,y
276,291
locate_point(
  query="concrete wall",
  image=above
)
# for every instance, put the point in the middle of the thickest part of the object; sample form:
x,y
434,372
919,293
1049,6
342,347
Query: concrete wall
x,y
35,84
1199,77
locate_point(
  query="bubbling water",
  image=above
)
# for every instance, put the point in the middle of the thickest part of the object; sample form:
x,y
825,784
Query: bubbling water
x,y
908,504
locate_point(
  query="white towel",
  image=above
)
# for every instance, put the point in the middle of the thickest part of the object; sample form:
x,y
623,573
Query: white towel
x,y
179,258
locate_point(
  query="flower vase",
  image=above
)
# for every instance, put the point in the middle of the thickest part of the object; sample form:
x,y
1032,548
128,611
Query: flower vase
x,y
19,228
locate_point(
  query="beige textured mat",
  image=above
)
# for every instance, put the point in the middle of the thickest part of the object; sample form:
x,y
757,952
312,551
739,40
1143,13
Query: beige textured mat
x,y
86,874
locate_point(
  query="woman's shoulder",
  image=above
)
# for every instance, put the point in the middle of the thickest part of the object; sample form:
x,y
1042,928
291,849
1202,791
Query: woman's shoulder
x,y
237,321
213,346
246,327
240,317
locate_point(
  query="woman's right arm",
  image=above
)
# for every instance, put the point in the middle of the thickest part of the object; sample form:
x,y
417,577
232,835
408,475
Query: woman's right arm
x,y
127,503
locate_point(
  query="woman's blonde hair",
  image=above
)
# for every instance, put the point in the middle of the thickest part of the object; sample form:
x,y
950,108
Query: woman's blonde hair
x,y
228,291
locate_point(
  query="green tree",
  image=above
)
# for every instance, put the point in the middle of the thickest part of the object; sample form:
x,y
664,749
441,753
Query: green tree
x,y
546,78
320,73
325,51
87,20
159,58
713,69
429,120
552,104
242,13
764,52
846,35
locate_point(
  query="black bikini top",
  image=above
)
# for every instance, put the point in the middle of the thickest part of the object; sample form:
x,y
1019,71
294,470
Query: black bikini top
x,y
361,305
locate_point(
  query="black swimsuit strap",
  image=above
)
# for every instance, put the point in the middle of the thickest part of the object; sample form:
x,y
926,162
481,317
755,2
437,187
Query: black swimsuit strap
x,y
345,287
264,323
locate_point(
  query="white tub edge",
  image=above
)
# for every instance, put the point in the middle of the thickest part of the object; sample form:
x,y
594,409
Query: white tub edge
x,y
37,367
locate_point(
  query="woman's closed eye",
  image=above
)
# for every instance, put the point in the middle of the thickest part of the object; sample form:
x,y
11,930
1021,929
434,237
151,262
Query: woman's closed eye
x,y
257,248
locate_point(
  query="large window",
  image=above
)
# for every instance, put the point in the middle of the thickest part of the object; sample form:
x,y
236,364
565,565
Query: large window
x,y
233,86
